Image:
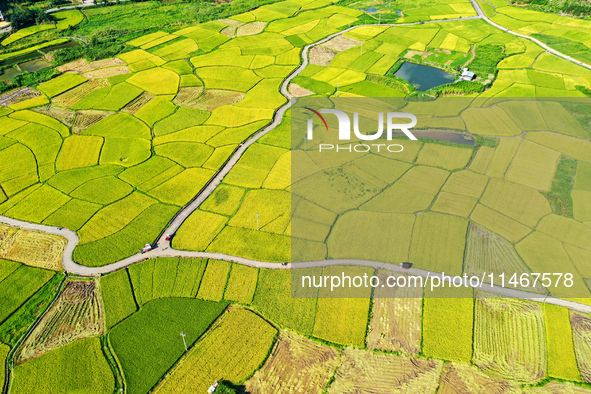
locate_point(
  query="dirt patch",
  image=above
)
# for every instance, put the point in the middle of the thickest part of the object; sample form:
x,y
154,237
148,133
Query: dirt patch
x,y
82,66
296,365
78,66
558,388
72,96
461,378
384,373
582,339
32,248
107,72
76,314
422,54
396,318
111,62
340,44
64,115
251,28
86,119
187,96
231,22
229,31
298,91
18,95
214,98
138,103
321,56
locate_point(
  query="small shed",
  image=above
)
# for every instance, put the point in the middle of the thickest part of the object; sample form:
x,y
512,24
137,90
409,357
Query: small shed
x,y
467,75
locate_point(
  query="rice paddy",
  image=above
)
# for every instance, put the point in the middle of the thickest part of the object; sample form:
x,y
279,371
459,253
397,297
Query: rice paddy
x,y
113,149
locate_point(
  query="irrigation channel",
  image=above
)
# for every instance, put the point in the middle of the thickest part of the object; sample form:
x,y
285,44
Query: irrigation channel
x,y
163,247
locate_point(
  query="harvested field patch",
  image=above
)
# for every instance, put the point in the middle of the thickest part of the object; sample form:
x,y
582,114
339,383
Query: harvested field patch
x,y
106,72
77,314
78,66
509,338
396,317
64,115
231,350
250,29
581,325
296,365
187,96
321,56
33,248
340,44
462,378
104,63
86,119
384,373
298,91
71,97
488,253
138,103
214,98
18,95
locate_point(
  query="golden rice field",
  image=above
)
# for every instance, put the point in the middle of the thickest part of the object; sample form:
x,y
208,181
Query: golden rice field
x,y
232,350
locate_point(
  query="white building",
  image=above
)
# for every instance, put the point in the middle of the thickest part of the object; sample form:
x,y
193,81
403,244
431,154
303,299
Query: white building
x,y
467,75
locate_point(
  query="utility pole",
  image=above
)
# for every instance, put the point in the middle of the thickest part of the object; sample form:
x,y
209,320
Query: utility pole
x,y
185,342
379,19
258,228
337,89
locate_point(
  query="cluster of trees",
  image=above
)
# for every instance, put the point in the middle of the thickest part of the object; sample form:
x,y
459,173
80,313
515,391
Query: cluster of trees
x,y
580,8
28,79
22,16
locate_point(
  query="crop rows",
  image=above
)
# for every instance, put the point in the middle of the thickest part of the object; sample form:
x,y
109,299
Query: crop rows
x,y
509,339
235,347
77,314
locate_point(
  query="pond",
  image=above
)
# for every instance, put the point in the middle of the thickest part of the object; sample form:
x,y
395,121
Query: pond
x,y
37,54
35,65
52,48
423,77
452,136
9,73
